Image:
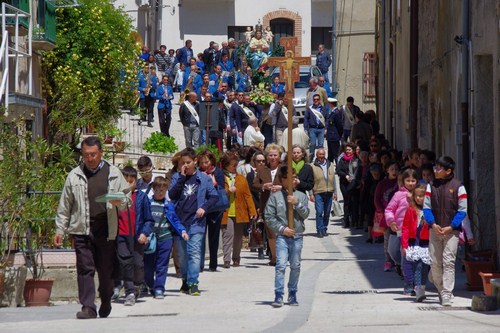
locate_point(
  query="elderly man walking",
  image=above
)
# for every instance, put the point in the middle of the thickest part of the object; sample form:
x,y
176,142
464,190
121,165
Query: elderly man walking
x,y
93,225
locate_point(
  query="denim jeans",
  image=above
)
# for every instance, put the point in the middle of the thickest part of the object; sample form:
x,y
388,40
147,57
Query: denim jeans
x,y
287,249
189,253
421,272
316,139
323,206
156,265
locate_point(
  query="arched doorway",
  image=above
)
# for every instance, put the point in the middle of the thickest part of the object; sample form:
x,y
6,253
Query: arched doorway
x,y
281,27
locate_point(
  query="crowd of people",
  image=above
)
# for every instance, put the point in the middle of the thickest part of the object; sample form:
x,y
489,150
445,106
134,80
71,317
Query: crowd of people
x,y
411,202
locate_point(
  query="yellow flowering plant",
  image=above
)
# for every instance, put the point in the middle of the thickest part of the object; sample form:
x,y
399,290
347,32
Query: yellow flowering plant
x,y
261,95
92,72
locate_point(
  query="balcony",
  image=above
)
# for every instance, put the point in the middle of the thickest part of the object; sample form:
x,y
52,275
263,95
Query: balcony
x,y
23,5
44,34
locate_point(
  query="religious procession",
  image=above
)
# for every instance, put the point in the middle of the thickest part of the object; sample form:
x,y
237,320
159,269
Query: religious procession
x,y
244,174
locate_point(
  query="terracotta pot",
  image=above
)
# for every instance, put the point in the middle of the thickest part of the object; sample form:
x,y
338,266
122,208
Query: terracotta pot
x,y
119,146
472,269
487,276
37,292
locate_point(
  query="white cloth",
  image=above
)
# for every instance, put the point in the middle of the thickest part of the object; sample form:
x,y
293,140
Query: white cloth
x,y
251,136
248,112
191,109
318,115
299,137
416,253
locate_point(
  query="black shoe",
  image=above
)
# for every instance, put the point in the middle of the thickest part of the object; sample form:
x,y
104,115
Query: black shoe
x,y
184,288
319,234
86,313
104,310
325,233
370,240
261,255
150,125
278,300
379,239
272,263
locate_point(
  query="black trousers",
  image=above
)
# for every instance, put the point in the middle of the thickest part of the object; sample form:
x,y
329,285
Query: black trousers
x,y
150,104
213,232
95,253
165,119
333,150
131,263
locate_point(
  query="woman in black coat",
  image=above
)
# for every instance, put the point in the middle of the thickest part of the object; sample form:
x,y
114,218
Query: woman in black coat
x,y
349,172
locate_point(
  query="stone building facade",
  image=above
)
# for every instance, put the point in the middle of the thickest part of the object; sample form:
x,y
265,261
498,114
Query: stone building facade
x,y
438,88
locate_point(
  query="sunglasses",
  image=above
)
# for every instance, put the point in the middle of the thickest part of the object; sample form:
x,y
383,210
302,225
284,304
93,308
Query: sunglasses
x,y
146,171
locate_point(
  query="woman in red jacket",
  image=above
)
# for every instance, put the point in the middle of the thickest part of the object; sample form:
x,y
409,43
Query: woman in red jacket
x,y
415,241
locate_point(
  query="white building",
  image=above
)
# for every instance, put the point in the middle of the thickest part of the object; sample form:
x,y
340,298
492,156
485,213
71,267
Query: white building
x,y
172,22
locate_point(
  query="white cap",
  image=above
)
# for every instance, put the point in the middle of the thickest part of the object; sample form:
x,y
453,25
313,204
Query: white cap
x,y
332,100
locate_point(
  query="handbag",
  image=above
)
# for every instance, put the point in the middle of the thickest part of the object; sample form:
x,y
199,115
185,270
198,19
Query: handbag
x,y
222,203
337,209
151,245
256,239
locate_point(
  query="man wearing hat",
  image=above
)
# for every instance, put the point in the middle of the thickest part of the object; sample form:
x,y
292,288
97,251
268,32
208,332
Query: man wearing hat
x,y
334,129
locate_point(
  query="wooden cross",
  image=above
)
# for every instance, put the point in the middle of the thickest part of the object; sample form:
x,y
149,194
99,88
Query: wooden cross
x,y
290,68
289,44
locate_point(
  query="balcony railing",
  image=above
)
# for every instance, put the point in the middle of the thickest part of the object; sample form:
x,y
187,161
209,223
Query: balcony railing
x,y
23,5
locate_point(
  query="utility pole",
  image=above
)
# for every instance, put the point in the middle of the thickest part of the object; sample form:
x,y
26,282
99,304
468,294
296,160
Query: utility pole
x,y
334,49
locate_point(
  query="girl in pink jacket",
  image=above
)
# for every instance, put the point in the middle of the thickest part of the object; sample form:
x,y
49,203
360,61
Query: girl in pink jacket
x,y
394,215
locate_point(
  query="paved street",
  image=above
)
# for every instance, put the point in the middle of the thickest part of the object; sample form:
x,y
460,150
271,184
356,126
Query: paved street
x,y
342,289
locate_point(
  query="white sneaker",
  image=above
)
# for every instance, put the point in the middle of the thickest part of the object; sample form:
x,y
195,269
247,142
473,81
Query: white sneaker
x,y
129,300
445,301
420,293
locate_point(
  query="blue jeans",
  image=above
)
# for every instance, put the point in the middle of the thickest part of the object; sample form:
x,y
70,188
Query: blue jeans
x,y
157,264
316,139
287,249
189,253
323,206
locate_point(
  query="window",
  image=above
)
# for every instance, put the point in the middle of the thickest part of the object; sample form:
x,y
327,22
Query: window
x,y
281,27
369,73
237,32
321,35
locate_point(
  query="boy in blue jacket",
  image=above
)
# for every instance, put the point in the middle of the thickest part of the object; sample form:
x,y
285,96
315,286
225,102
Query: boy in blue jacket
x,y
193,192
165,226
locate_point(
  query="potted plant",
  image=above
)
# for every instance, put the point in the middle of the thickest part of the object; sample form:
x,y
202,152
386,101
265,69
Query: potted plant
x,y
30,171
158,143
486,278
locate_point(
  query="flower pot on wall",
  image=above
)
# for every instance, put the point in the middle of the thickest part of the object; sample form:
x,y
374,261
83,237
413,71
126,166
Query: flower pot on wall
x,y
37,292
486,277
480,261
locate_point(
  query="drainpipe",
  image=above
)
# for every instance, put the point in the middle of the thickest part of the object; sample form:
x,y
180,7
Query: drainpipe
x,y
387,120
334,49
465,95
413,74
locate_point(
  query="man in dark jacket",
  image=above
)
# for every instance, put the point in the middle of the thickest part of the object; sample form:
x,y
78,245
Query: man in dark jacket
x,y
190,119
334,129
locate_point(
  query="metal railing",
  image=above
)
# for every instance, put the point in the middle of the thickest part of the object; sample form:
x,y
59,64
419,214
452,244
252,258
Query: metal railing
x,y
4,60
15,15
